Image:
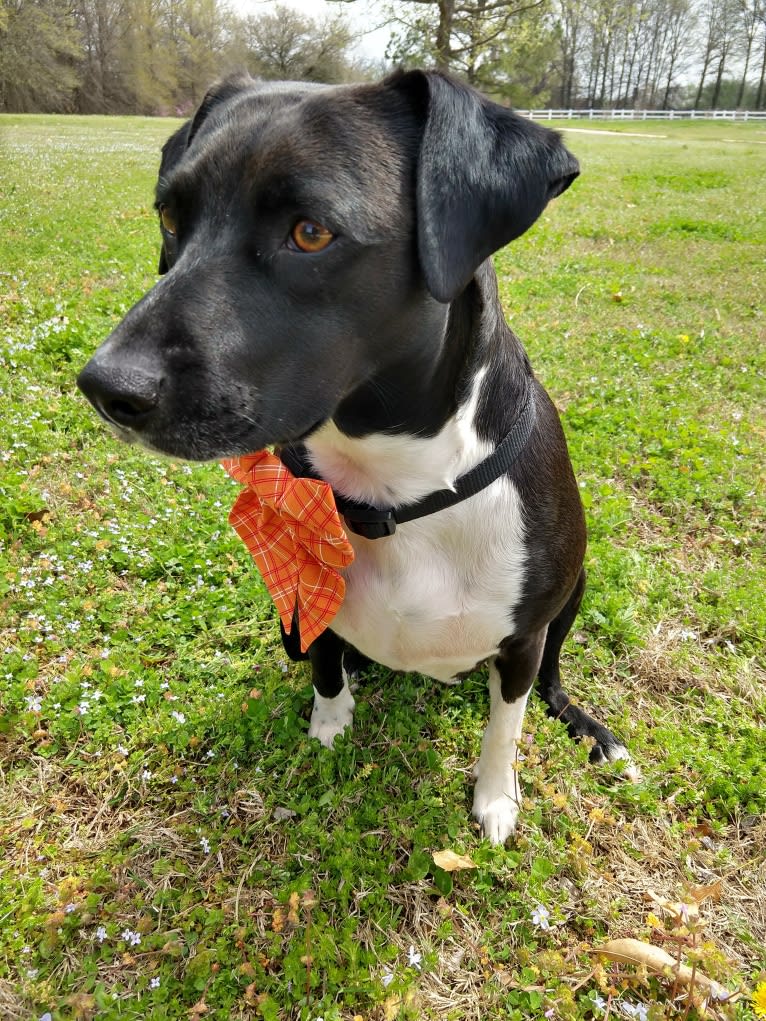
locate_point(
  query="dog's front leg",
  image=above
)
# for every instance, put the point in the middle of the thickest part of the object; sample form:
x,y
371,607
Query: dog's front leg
x,y
333,702
497,797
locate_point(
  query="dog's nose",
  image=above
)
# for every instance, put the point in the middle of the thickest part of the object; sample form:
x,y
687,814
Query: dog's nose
x,y
125,397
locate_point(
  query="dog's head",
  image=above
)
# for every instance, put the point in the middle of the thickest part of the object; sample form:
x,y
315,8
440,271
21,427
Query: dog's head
x,y
312,236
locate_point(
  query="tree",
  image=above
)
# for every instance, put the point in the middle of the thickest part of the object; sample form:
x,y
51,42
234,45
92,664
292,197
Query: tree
x,y
749,13
760,14
38,49
289,45
101,24
148,64
521,66
569,20
200,34
461,35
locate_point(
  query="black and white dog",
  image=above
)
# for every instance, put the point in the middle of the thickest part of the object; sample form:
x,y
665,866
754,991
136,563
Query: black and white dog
x,y
329,291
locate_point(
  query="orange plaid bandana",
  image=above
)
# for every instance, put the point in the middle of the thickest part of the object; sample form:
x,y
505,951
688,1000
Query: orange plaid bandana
x,y
293,532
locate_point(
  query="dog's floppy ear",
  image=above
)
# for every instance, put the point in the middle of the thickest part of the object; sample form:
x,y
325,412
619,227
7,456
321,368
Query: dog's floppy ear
x,y
218,93
484,176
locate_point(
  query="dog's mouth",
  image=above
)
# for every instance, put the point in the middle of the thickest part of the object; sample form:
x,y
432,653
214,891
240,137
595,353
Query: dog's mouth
x,y
191,442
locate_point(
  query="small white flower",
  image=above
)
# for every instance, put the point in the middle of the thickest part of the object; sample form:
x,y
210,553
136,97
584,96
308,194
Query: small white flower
x,y
639,1011
101,934
70,908
131,938
387,979
414,958
47,1016
34,703
154,983
122,750
205,844
146,774
32,973
541,916
174,779
180,717
599,1003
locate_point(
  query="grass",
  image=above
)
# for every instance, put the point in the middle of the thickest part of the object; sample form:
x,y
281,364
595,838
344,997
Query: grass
x,y
176,847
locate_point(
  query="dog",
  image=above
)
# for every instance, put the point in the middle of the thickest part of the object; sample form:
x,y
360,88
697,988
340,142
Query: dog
x,y
327,288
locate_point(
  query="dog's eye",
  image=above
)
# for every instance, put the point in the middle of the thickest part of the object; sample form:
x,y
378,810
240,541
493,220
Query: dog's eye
x,y
308,236
168,222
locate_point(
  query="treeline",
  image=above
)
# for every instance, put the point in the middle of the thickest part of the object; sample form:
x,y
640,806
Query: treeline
x,y
655,54
154,56
158,56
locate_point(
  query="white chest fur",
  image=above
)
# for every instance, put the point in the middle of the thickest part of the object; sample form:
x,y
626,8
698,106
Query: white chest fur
x,y
438,596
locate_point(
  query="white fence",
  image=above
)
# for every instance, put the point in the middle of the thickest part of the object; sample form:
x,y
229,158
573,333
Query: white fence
x,y
646,115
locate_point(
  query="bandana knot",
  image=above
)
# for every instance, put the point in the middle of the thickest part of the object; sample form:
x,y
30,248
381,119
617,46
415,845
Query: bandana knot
x,y
294,534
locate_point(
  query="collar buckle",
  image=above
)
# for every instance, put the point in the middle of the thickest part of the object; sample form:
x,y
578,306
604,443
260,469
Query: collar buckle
x,y
370,523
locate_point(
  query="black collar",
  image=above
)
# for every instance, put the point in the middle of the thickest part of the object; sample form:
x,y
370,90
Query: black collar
x,y
374,523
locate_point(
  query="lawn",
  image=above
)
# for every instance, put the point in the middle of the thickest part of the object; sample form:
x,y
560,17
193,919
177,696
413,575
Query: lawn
x,y
176,847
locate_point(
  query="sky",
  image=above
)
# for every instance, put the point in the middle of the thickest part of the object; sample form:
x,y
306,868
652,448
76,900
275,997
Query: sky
x,y
363,15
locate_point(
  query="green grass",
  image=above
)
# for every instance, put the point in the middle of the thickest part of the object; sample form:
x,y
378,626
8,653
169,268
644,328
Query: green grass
x,y
175,846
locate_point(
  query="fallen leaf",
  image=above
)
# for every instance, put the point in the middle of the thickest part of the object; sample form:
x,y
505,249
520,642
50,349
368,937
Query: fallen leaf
x,y
712,890
38,515
452,862
635,951
199,1008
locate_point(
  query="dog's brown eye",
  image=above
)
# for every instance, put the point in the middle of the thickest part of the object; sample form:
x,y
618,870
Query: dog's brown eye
x,y
311,237
167,220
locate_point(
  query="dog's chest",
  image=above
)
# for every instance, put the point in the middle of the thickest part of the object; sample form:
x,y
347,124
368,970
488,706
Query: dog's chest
x,y
438,596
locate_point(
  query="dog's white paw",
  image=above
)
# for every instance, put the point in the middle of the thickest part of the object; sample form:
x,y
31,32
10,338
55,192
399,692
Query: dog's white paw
x,y
331,716
619,753
496,810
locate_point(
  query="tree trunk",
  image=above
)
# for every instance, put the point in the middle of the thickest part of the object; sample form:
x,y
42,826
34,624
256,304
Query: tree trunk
x,y
761,97
443,34
718,80
698,97
743,83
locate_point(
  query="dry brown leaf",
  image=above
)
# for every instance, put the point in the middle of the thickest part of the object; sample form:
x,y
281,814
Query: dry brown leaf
x,y
452,862
712,890
635,951
199,1008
